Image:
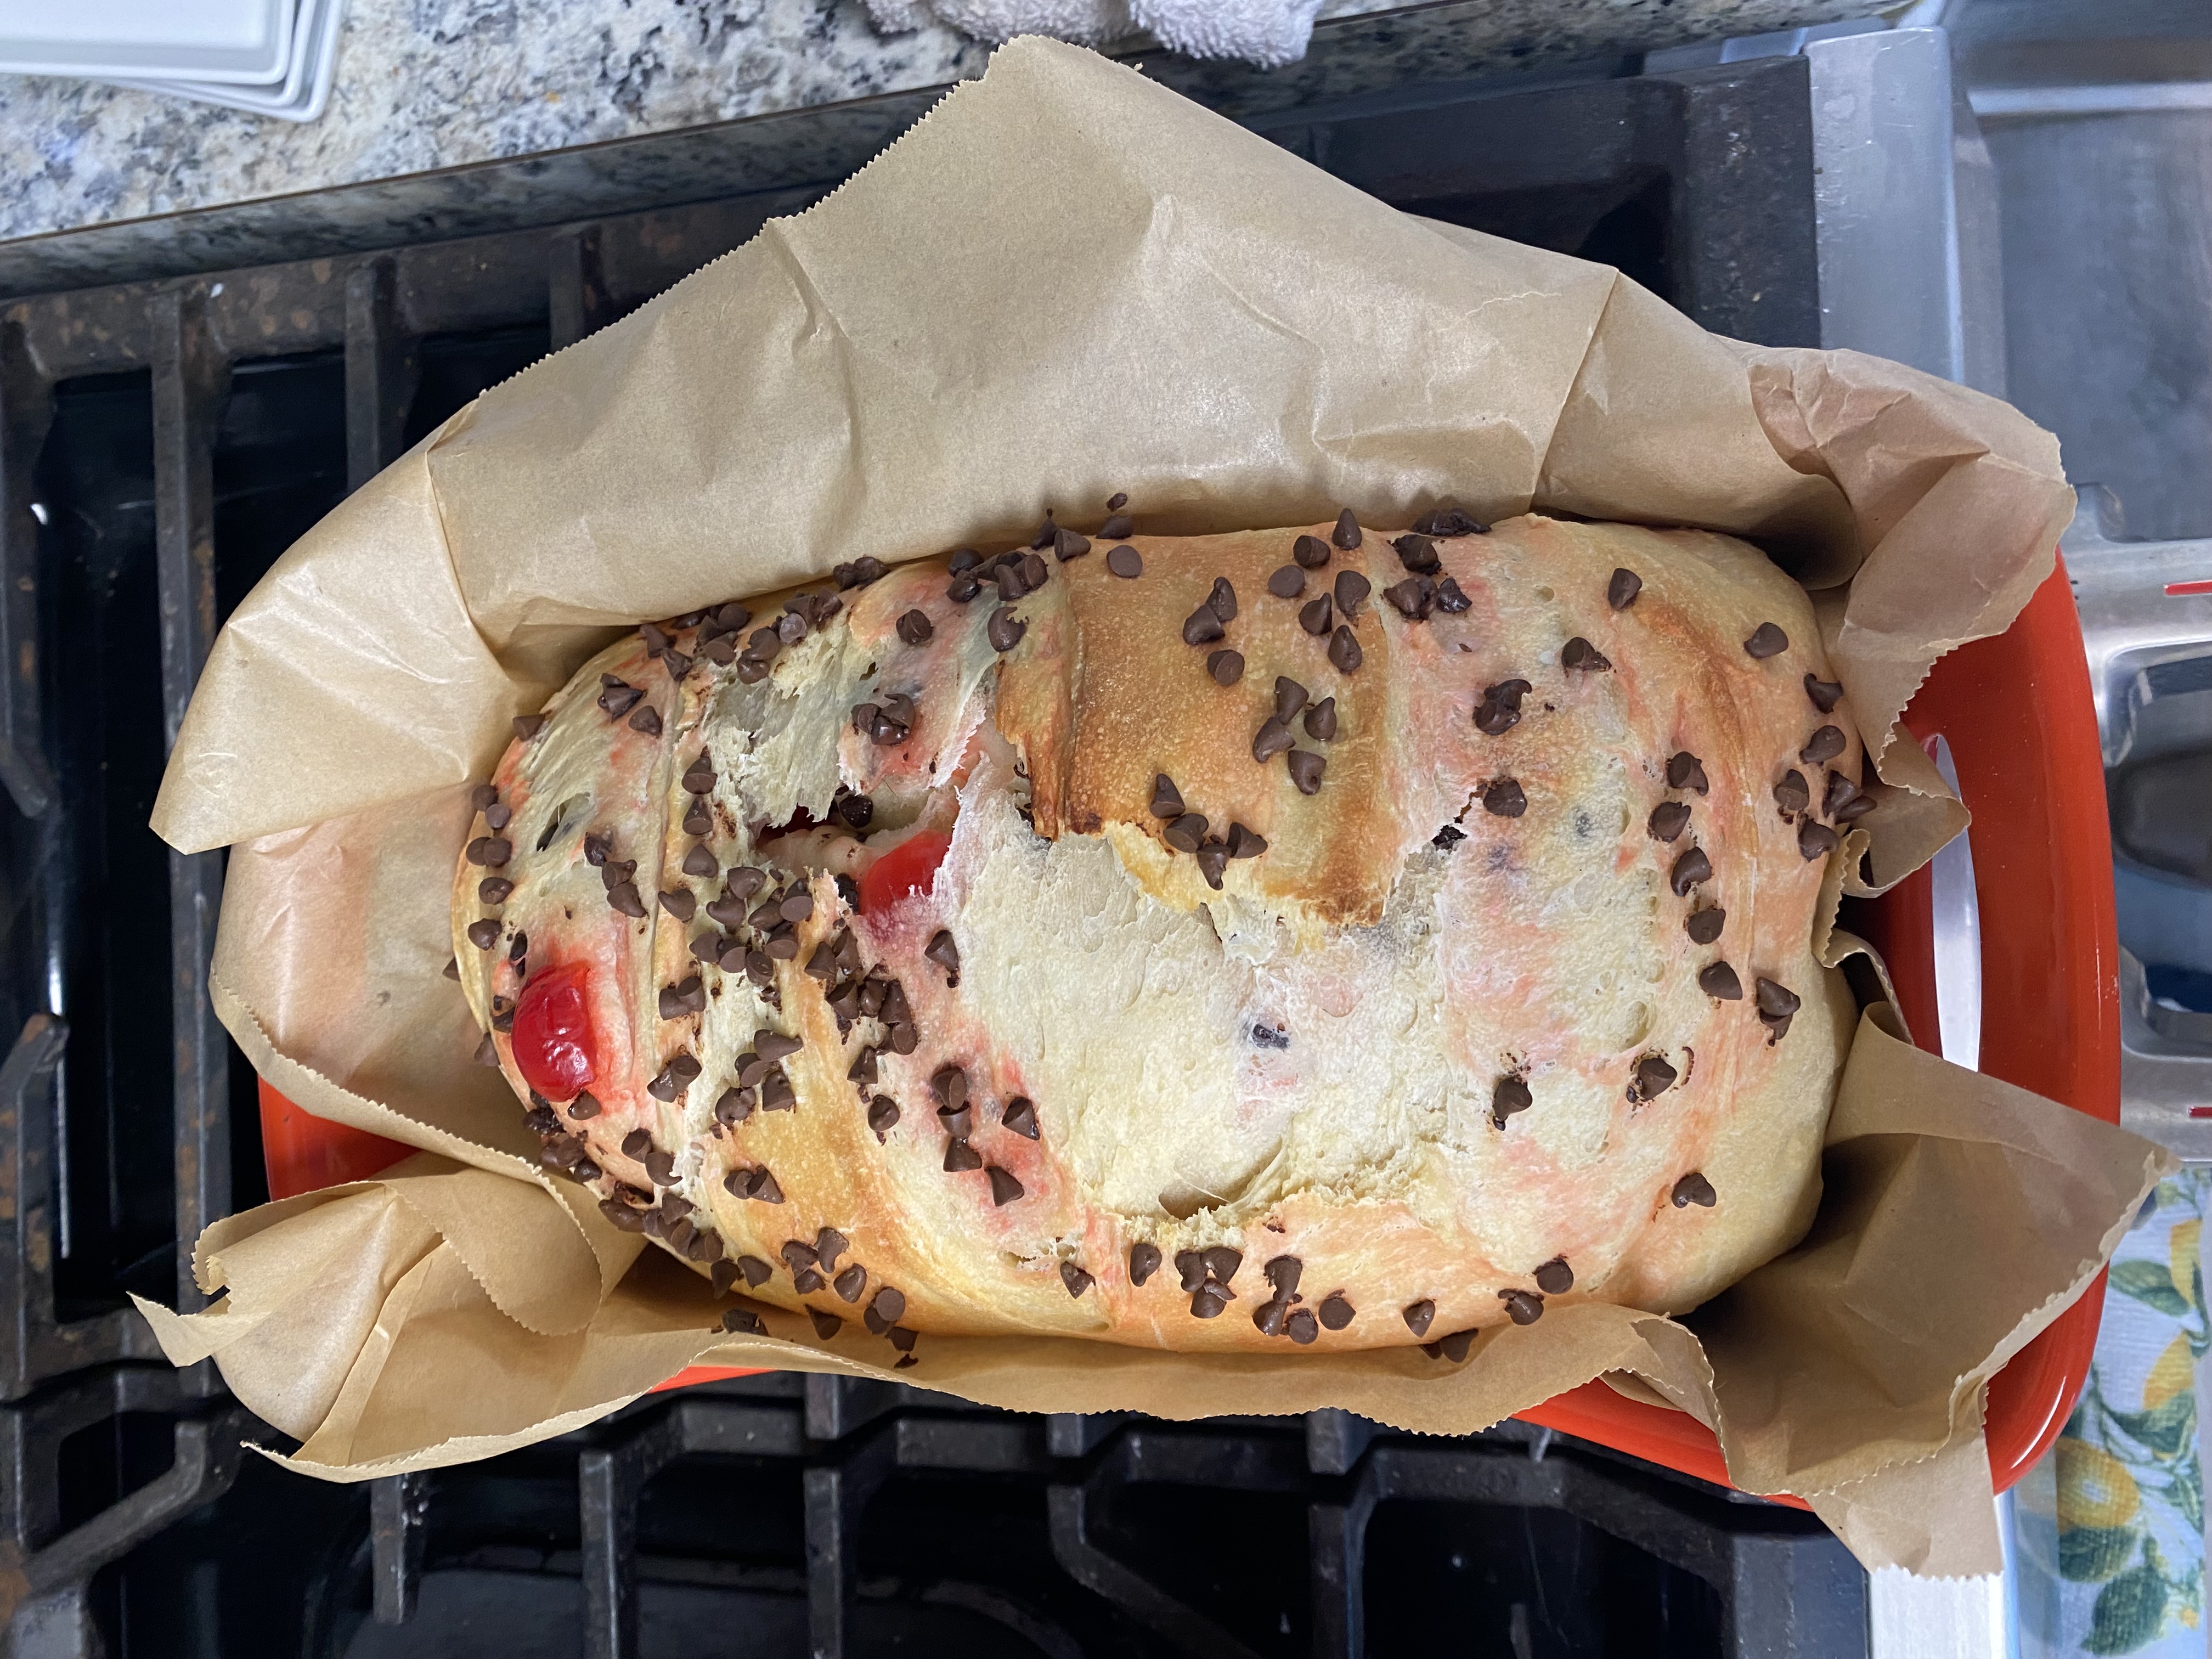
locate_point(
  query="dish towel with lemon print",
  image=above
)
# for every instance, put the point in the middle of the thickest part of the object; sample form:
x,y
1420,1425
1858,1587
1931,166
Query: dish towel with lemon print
x,y
2109,1529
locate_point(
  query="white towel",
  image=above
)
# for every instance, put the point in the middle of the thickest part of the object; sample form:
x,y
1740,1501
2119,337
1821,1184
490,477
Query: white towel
x,y
1268,32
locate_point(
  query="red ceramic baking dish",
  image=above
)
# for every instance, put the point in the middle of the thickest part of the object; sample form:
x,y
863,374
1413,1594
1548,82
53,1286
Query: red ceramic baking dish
x,y
2016,713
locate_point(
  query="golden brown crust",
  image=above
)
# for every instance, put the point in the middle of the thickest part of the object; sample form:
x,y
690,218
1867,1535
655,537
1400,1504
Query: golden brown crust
x,y
1305,1062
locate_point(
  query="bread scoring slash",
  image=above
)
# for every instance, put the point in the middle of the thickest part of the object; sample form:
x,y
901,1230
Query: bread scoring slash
x,y
1306,938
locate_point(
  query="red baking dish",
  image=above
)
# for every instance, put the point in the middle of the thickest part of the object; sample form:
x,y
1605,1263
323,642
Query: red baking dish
x,y
2017,714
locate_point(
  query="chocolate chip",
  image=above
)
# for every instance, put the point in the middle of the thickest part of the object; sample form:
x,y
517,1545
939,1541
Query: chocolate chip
x,y
1411,598
1510,1096
1522,1308
1816,841
1500,711
647,720
1066,544
960,1158
1350,593
1692,868
743,1322
1283,1273
1852,810
617,696
913,626
1191,1265
1580,654
1318,617
1268,1317
1019,1116
1449,599
1824,744
901,1038
962,589
1418,553
1213,860
1555,1276
1143,1263
1208,1301
484,935
1776,1003
624,896
1505,799
527,726
1117,501
1703,926
1320,720
665,1085
488,1052
1335,1312
1074,1278
454,968
1271,739
493,889
1344,650
1668,819
1270,1037
1167,799
1419,1315
615,871
1201,627
756,1271
1222,600
1839,793
698,820
1034,573
676,663
1045,534
1117,528
734,1107
1451,522
1654,1077
1186,832
700,861
883,1114
1227,667
1221,1262
491,851
621,1215
1004,630
1306,769
1288,582
1311,553
661,1166
1125,561
699,776
948,1086
1005,1189
1693,1188
1244,843
1718,979
1767,640
1685,771
1824,694
1792,794
1621,592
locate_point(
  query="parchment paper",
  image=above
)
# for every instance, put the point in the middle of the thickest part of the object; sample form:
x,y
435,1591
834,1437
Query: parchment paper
x,y
1064,282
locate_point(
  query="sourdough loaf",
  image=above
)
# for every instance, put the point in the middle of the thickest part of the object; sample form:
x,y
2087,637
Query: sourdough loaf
x,y
1322,936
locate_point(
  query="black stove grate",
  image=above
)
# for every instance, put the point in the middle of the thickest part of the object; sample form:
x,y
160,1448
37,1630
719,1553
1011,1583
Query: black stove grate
x,y
160,444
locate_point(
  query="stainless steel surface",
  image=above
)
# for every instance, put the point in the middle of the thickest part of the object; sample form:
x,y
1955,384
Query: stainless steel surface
x,y
1956,916
1906,200
2149,651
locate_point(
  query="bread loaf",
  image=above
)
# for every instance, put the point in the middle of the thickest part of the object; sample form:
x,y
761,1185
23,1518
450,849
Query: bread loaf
x,y
1315,936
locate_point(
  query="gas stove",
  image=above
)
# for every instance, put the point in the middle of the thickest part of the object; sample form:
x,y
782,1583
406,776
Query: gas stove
x,y
161,443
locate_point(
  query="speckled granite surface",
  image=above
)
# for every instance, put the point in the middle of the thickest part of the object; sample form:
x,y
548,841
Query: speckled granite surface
x,y
451,117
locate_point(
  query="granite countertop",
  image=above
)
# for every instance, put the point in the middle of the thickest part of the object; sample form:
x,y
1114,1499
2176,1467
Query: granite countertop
x,y
452,117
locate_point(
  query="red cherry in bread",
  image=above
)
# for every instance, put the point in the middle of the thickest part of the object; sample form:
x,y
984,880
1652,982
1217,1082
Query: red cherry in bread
x,y
908,868
552,1035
